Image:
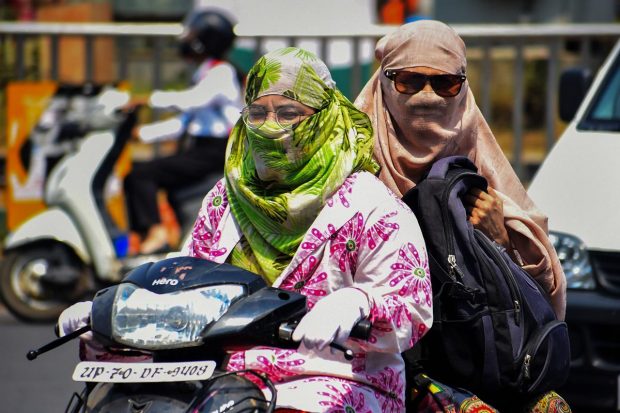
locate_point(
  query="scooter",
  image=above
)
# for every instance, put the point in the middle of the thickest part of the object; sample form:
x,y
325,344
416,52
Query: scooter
x,y
186,313
74,247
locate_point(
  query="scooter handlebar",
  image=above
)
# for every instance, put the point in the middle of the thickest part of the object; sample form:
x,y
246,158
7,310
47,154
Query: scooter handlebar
x,y
33,354
361,330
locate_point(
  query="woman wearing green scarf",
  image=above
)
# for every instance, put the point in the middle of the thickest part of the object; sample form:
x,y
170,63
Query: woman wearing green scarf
x,y
301,206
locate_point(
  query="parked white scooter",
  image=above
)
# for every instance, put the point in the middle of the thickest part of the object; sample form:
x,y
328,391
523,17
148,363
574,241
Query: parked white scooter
x,y
74,247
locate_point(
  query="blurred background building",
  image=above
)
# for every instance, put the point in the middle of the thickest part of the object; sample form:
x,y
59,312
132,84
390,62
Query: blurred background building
x,y
385,11
335,18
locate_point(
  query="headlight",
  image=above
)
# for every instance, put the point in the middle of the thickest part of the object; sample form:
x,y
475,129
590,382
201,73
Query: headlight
x,y
575,260
146,320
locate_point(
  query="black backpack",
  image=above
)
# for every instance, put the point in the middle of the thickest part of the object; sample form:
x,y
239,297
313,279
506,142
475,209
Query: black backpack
x,y
494,330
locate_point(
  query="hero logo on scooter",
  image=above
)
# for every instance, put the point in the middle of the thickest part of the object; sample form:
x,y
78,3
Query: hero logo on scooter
x,y
165,281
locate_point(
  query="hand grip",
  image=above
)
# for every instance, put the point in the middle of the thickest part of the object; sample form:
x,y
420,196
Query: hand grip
x,y
361,329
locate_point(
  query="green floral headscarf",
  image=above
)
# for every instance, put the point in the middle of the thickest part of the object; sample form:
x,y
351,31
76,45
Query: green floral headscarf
x,y
305,169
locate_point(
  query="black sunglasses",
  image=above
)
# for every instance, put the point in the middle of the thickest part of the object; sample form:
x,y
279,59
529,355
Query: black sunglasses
x,y
410,83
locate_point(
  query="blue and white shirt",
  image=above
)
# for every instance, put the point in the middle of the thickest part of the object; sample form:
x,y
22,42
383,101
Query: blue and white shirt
x,y
209,108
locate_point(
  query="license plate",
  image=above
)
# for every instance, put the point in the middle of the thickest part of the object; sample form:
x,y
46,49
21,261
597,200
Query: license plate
x,y
107,372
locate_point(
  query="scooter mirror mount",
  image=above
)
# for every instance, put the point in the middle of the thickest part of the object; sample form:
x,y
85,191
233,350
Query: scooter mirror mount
x,y
33,354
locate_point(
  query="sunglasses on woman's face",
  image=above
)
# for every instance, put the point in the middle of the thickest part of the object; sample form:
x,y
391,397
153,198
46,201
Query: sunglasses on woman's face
x,y
410,83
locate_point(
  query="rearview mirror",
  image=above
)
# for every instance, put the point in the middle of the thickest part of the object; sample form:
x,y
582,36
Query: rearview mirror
x,y
574,84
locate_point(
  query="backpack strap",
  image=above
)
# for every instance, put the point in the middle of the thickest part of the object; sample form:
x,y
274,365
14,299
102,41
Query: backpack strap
x,y
441,167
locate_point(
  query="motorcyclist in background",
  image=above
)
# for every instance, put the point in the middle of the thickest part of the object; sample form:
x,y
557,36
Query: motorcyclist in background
x,y
209,108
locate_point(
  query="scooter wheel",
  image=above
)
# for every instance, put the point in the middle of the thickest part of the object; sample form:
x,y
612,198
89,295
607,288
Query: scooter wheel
x,y
38,282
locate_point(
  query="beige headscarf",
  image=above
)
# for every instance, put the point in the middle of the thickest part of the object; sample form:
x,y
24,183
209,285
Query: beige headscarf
x,y
412,131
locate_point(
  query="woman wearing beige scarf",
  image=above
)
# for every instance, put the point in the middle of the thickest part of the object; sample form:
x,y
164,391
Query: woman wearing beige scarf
x,y
414,130
419,118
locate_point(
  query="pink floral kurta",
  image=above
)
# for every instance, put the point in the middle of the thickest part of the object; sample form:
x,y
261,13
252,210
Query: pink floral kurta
x,y
364,237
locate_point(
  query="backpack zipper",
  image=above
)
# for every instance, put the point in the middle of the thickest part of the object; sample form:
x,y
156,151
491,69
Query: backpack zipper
x,y
447,229
454,267
534,344
512,283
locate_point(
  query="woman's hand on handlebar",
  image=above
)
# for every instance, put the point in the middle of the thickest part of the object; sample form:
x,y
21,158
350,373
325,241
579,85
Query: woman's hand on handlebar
x,y
75,317
332,318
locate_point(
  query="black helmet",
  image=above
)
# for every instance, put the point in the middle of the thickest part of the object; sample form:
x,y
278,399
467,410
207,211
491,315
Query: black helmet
x,y
207,33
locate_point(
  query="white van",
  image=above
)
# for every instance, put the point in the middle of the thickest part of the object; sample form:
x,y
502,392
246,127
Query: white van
x,y
578,187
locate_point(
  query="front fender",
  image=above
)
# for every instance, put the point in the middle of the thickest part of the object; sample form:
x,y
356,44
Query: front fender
x,y
51,224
